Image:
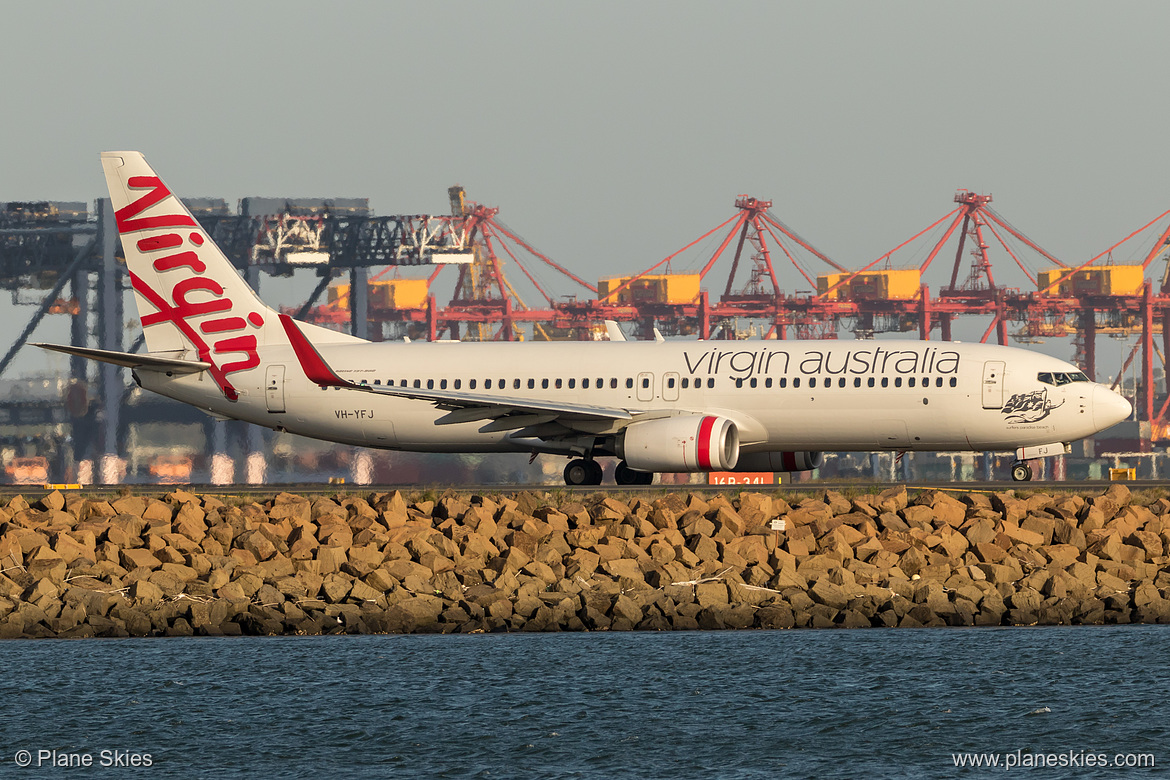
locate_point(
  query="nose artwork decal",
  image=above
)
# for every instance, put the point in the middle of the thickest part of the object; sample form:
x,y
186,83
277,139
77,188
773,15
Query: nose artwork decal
x,y
1029,407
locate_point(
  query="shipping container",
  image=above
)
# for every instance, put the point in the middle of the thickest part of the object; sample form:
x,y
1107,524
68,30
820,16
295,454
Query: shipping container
x,y
902,285
1096,280
653,288
386,294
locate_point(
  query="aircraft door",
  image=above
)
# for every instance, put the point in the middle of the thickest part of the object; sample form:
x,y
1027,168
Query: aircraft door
x,y
993,384
274,389
645,386
670,386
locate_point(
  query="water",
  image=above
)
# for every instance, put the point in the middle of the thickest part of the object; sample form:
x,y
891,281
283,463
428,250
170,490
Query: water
x,y
752,704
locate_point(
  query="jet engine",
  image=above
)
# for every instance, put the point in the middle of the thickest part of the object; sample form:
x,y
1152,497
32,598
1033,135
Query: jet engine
x,y
691,443
779,461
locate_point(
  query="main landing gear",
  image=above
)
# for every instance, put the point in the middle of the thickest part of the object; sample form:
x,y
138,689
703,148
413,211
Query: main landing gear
x,y
1021,471
583,471
586,471
624,475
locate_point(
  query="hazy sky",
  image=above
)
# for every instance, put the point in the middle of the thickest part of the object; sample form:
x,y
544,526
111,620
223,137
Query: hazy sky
x,y
610,134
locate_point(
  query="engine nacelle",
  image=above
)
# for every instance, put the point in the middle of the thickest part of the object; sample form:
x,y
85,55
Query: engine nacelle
x,y
692,443
779,461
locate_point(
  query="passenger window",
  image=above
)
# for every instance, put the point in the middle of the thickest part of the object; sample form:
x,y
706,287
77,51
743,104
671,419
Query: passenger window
x,y
685,383
531,384
572,384
430,384
585,384
558,383
711,382
857,381
377,381
910,383
885,381
458,383
487,384
600,383
629,382
515,384
646,382
442,384
738,382
812,382
753,382
417,383
471,383
613,383
783,382
544,384
796,382
670,382
954,382
768,382
938,382
897,381
841,382
870,382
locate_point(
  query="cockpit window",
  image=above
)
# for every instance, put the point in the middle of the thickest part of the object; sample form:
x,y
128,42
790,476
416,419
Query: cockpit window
x,y
1059,378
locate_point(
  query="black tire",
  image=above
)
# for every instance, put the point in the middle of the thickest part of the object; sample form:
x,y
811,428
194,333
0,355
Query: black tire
x,y
1021,472
595,473
578,472
645,478
624,475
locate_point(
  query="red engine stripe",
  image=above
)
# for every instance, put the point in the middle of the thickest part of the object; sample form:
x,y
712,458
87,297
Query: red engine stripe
x,y
704,453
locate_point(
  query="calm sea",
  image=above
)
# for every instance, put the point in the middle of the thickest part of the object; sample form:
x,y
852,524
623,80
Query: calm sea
x,y
752,704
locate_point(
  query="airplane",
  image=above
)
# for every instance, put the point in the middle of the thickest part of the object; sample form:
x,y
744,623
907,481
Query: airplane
x,y
661,406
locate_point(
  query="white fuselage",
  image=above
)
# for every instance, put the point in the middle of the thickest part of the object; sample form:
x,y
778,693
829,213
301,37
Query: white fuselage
x,y
782,395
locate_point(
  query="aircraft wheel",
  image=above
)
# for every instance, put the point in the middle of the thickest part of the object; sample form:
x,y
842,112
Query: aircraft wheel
x,y
578,472
583,472
624,475
1021,472
645,478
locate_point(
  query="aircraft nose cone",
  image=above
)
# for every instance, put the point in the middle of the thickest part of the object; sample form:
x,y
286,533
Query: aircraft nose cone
x,y
1109,408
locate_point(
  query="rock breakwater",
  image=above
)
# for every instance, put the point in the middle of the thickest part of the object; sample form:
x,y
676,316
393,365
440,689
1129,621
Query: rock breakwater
x,y
187,564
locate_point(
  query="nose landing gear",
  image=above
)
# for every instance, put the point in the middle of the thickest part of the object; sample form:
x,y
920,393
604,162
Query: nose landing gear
x,y
1021,471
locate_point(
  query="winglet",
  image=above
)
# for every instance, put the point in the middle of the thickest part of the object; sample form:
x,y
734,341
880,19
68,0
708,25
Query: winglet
x,y
314,366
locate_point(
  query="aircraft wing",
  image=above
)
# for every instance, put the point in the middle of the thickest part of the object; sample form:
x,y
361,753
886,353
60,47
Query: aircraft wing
x,y
466,407
505,412
131,359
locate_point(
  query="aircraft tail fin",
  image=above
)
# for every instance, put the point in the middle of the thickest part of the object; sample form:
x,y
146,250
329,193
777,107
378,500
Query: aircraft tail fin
x,y
190,297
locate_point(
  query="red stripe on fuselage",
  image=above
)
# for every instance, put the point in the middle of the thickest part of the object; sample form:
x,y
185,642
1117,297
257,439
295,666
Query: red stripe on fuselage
x,y
705,443
315,368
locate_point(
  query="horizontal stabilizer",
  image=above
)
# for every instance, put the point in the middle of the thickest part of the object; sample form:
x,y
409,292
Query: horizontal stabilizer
x,y
131,359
